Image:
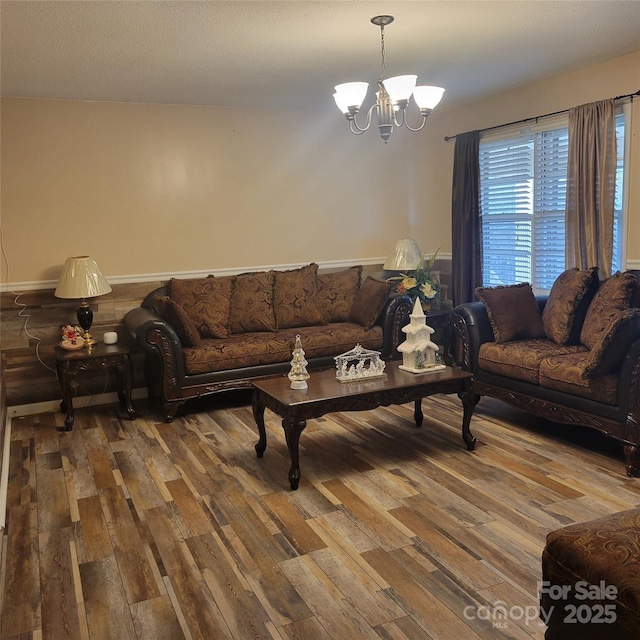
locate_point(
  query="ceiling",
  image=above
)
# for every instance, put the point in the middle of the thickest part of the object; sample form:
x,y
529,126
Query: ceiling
x,y
276,54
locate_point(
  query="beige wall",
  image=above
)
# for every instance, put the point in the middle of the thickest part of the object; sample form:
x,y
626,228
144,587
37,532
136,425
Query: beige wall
x,y
162,189
148,189
616,77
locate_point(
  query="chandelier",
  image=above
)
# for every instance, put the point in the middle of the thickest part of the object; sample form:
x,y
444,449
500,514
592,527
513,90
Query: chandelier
x,y
392,97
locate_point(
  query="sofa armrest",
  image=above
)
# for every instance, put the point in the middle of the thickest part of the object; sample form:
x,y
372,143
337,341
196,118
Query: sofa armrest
x,y
156,337
394,316
472,329
629,382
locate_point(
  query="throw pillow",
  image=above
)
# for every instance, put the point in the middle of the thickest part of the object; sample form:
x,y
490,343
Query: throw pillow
x,y
252,303
207,301
567,304
336,293
513,312
609,352
294,293
178,318
617,293
369,301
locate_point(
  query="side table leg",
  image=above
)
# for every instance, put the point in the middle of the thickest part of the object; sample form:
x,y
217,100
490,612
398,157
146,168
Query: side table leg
x,y
292,430
125,375
66,406
257,404
468,403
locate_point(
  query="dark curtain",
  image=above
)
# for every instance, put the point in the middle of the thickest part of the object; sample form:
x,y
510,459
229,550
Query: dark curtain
x,y
466,264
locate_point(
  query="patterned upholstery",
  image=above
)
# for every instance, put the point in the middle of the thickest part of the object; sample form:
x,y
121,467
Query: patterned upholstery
x,y
607,354
336,292
513,312
604,553
252,349
370,299
566,373
294,298
179,319
521,359
206,301
617,293
567,304
252,303
252,319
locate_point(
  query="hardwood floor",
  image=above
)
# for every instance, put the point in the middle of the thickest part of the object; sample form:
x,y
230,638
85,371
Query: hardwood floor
x,y
158,531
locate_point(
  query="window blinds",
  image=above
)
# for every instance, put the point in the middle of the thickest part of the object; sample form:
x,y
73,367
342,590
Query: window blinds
x,y
523,187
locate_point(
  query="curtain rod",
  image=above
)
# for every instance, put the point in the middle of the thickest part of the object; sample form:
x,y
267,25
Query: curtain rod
x,y
546,115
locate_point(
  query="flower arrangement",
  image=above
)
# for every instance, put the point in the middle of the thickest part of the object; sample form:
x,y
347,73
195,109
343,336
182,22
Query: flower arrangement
x,y
420,283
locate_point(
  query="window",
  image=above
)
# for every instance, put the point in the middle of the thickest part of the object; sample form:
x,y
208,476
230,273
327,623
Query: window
x,y
523,184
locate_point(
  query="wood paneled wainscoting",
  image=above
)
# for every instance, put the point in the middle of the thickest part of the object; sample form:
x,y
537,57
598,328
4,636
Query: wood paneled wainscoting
x,y
146,530
31,323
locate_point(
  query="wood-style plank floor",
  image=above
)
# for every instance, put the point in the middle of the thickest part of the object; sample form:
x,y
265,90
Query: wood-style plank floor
x,y
157,531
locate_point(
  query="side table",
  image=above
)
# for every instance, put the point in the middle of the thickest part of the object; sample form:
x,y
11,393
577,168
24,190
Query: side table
x,y
441,321
99,356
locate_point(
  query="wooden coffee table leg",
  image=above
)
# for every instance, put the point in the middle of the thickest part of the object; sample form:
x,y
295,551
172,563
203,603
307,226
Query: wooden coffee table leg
x,y
258,416
417,412
292,430
468,403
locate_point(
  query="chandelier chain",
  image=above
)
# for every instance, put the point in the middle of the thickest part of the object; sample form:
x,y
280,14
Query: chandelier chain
x,y
382,77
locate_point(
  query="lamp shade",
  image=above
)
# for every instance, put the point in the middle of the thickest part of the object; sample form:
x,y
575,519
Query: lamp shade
x,y
81,278
405,256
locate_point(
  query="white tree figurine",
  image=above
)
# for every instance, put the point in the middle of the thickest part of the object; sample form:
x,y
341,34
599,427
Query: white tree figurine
x,y
418,352
298,374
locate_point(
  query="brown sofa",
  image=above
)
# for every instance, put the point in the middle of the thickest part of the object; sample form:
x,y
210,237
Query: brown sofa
x,y
590,586
209,335
572,356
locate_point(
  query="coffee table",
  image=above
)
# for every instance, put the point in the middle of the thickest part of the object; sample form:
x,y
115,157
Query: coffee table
x,y
326,395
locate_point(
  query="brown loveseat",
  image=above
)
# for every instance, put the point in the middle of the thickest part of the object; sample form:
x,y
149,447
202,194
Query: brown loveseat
x,y
209,335
572,356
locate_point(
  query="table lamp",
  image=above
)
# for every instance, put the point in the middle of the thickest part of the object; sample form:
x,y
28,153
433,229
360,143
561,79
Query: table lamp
x,y
81,278
405,257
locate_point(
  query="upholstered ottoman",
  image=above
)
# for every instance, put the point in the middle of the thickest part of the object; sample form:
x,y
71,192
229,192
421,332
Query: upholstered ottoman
x,y
590,585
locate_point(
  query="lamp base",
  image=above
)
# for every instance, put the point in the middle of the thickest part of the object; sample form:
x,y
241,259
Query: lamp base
x,y
88,340
85,320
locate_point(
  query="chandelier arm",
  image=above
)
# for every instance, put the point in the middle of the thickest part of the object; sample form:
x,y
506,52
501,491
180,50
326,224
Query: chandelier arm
x,y
402,120
424,121
356,128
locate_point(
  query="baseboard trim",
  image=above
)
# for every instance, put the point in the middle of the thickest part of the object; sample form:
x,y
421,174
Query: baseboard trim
x,y
83,401
4,474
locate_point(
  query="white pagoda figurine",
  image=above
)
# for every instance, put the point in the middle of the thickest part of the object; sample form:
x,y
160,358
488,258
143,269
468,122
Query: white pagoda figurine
x,y
418,352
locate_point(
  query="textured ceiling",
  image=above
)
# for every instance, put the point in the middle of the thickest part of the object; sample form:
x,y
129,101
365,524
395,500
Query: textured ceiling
x,y
278,54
